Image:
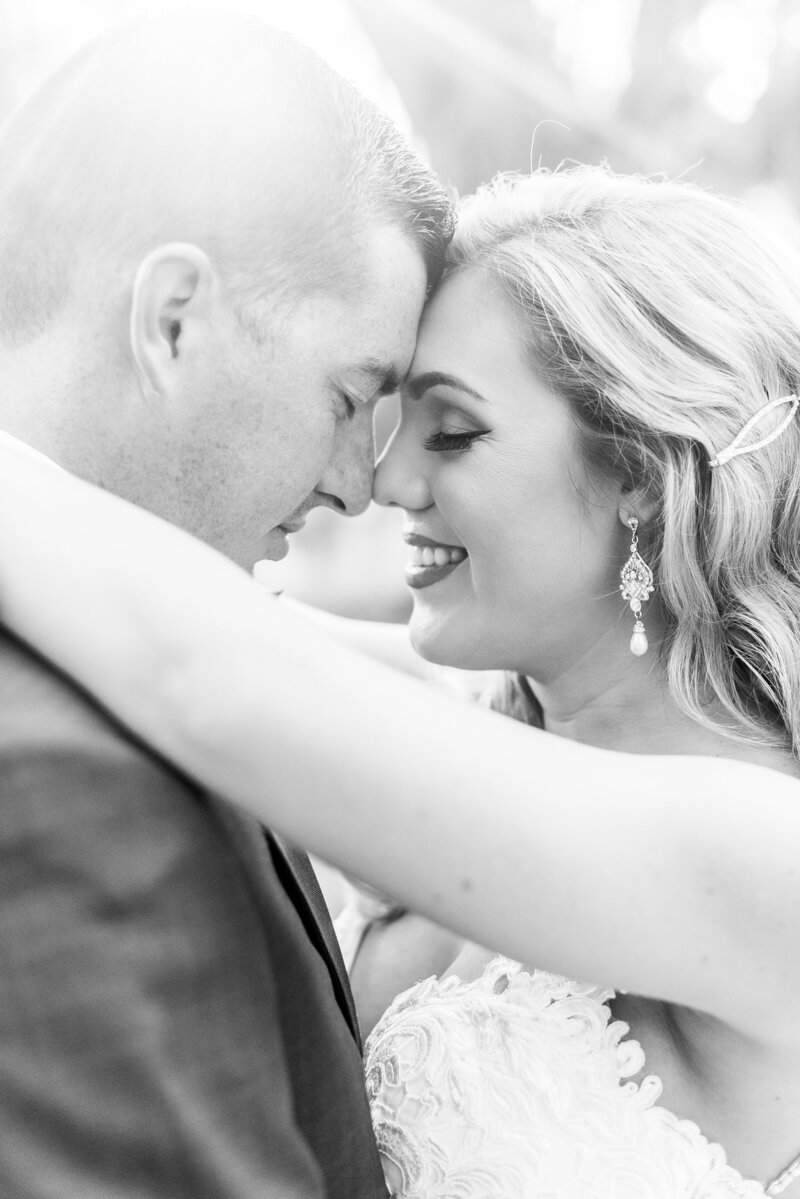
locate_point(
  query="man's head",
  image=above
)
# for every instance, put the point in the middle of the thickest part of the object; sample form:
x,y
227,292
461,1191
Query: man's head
x,y
218,251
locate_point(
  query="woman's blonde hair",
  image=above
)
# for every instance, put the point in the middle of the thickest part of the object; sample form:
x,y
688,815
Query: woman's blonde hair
x,y
666,317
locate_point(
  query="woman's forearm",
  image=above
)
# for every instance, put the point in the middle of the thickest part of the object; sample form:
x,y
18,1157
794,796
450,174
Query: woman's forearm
x,y
385,642
390,644
557,854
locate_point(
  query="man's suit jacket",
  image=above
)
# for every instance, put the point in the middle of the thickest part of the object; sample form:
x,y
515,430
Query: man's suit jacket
x,y
175,1022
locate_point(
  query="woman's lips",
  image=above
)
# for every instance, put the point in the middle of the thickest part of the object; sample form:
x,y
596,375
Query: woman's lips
x,y
431,560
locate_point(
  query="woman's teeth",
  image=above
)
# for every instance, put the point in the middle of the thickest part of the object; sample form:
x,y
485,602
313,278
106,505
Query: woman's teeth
x,y
440,556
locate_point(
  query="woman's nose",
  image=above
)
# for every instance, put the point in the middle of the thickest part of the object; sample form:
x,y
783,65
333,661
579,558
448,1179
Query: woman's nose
x,y
400,476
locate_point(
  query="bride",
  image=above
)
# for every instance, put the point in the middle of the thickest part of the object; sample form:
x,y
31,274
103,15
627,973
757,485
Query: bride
x,y
599,458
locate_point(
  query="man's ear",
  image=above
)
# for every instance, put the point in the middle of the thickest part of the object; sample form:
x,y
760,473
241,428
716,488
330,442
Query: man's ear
x,y
174,292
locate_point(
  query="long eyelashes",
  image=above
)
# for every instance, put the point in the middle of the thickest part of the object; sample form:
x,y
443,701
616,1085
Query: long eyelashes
x,y
442,442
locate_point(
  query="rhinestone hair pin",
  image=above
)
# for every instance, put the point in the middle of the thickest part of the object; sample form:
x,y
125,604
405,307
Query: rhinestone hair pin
x,y
736,448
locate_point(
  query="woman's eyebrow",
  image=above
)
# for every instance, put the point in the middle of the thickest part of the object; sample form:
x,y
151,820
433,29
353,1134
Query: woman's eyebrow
x,y
419,384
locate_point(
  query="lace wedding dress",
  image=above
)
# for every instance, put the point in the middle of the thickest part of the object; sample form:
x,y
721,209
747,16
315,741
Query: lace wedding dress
x,y
517,1086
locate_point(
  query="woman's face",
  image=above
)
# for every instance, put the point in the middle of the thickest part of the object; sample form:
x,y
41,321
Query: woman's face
x,y
514,550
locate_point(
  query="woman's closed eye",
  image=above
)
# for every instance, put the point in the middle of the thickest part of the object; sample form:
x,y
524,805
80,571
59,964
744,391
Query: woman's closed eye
x,y
455,442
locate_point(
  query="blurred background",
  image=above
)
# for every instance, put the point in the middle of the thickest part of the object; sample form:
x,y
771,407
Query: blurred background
x,y
706,89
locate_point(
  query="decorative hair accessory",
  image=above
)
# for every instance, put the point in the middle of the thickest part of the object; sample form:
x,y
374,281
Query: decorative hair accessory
x,y
636,585
736,448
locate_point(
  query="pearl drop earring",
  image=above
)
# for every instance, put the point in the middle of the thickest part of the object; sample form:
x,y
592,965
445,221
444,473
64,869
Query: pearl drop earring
x,y
636,585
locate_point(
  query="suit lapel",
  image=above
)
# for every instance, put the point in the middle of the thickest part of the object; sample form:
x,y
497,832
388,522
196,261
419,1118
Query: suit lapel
x,y
300,883
260,850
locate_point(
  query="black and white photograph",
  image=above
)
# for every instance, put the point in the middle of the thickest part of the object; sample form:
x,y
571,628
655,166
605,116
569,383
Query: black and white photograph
x,y
399,599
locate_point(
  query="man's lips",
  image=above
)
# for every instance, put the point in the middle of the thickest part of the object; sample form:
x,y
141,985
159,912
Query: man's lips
x,y
277,540
292,526
431,560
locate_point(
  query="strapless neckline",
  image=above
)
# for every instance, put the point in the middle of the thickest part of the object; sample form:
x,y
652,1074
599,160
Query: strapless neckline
x,y
519,1085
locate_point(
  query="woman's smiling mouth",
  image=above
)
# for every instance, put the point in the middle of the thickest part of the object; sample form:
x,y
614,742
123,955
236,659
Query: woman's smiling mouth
x,y
430,560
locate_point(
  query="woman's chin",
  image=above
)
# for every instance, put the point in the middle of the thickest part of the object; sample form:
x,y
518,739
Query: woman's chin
x,y
437,642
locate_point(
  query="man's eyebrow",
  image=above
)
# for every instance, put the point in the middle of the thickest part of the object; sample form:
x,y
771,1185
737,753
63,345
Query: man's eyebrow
x,y
387,379
416,387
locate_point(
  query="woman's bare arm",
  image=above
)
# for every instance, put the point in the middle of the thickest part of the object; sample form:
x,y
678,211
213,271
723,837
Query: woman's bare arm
x,y
658,874
379,639
390,644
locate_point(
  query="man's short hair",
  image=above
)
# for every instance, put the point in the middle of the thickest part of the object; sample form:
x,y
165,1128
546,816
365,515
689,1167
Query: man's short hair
x,y
217,130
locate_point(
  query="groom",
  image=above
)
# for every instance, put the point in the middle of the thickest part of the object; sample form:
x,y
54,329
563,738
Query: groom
x,y
213,257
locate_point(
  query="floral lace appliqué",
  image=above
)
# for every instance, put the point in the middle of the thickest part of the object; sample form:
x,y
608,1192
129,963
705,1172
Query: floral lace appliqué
x,y
518,1086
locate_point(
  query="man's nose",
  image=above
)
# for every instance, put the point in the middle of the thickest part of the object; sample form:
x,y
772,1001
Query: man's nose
x,y
346,483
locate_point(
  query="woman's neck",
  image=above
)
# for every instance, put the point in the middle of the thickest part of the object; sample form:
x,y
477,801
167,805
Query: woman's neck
x,y
629,710
622,702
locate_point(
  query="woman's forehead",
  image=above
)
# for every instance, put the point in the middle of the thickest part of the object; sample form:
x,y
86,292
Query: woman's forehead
x,y
468,325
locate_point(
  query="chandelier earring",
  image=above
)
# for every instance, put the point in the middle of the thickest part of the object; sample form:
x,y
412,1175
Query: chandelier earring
x,y
636,585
